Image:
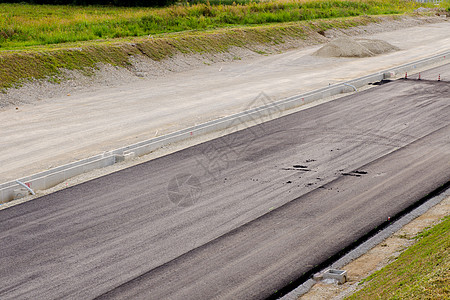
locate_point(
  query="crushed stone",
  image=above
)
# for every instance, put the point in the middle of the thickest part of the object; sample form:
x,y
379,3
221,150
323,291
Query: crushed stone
x,y
348,47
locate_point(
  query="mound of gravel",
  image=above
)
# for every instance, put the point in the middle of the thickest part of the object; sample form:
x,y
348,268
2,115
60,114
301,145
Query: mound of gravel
x,y
347,47
377,46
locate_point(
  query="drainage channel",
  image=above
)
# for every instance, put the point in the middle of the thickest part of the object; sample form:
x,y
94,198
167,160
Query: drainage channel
x,y
302,285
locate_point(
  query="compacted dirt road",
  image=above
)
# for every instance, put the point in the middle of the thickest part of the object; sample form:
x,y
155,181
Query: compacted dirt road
x,y
50,133
237,217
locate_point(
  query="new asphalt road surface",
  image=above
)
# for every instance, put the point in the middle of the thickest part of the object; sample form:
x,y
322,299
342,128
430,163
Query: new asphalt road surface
x,y
238,217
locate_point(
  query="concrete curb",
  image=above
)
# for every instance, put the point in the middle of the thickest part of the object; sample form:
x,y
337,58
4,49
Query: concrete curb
x,y
52,177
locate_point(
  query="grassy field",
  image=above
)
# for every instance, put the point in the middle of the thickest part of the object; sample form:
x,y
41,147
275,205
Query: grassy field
x,y
24,25
38,41
421,272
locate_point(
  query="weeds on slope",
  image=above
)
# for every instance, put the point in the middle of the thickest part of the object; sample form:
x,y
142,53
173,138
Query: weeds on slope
x,y
421,272
24,25
43,62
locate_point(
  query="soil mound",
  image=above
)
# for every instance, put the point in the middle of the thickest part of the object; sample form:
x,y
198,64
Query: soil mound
x,y
377,46
347,47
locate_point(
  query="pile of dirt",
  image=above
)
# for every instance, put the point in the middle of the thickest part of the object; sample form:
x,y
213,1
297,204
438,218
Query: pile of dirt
x,y
348,47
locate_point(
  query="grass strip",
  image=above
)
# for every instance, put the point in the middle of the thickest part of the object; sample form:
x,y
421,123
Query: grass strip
x,y
421,272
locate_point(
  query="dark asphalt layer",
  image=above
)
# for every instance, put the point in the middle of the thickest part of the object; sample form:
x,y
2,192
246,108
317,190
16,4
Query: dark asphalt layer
x,y
237,217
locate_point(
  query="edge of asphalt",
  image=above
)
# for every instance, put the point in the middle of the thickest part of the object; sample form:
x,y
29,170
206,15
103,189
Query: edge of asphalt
x,y
50,178
390,228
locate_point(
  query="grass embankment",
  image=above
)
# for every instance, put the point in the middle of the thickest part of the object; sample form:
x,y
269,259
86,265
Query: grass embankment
x,y
421,272
28,25
37,41
46,61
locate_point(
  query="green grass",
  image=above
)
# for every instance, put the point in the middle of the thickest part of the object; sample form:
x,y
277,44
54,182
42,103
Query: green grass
x,y
421,272
24,25
45,62
37,41
446,5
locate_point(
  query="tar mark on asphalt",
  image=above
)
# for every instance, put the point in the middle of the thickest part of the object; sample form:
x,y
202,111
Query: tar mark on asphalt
x,y
297,168
355,173
359,172
300,166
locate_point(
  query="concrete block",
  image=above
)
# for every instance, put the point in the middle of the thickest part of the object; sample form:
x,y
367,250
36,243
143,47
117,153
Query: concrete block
x,y
338,275
20,193
124,157
145,149
6,194
318,276
54,179
119,158
71,172
39,183
388,75
129,155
